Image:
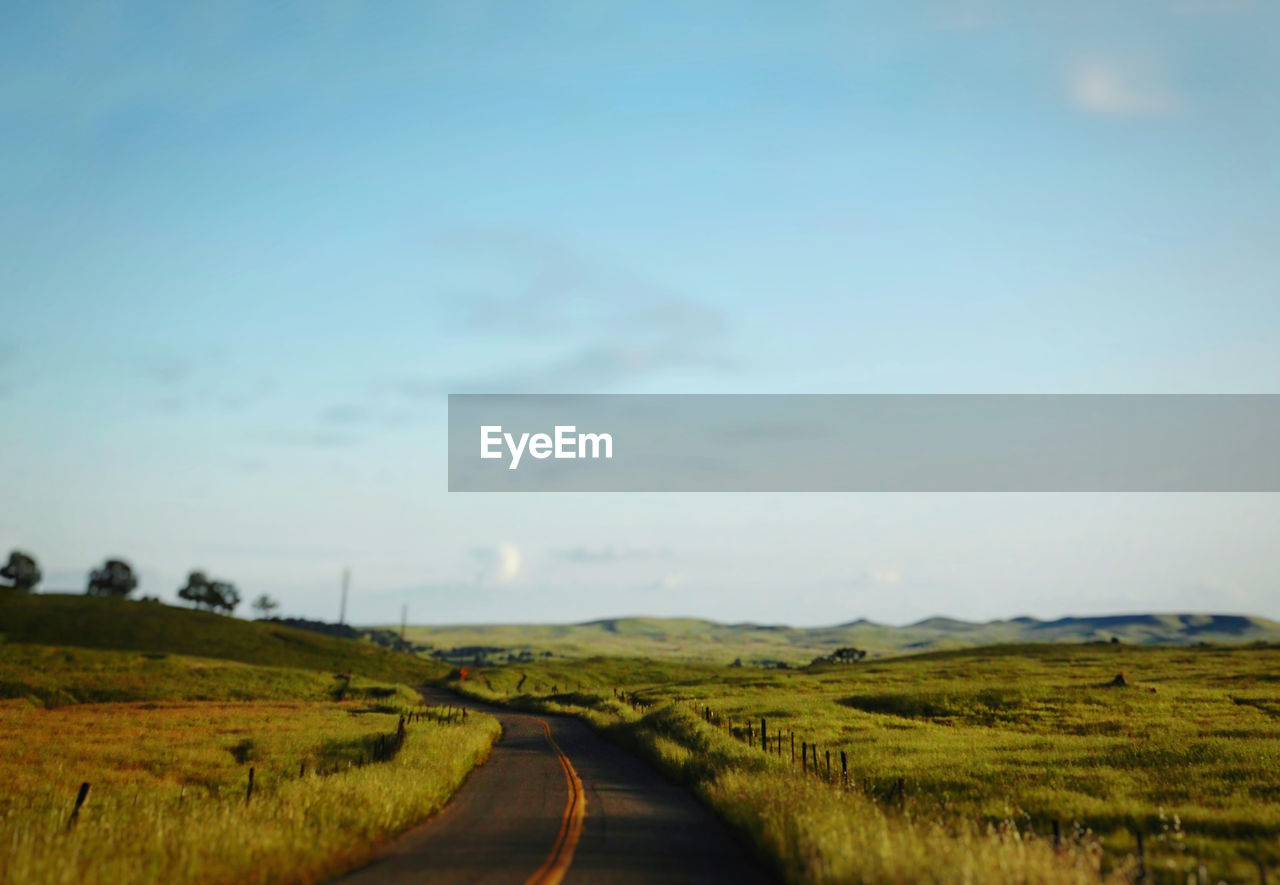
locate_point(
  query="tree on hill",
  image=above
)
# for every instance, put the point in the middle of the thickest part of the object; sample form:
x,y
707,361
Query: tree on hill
x,y
211,595
264,605
21,572
115,578
842,656
224,595
196,589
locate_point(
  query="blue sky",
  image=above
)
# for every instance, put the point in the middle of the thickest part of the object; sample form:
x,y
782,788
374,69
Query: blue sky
x,y
248,249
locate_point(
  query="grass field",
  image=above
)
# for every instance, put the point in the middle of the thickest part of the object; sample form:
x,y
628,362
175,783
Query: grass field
x,y
94,622
694,640
991,745
167,742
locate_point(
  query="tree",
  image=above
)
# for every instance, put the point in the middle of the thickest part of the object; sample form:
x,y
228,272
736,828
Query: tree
x,y
212,595
115,578
196,590
22,572
223,595
264,605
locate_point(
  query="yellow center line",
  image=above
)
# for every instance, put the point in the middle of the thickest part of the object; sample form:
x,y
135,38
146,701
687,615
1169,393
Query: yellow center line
x,y
575,811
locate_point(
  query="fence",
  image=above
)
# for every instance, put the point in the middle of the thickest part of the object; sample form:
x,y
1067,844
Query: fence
x,y
380,748
890,791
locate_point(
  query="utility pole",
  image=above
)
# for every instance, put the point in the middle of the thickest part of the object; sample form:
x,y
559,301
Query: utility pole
x,y
404,619
346,582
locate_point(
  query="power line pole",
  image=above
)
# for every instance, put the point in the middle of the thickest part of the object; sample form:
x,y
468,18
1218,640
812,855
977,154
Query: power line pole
x,y
346,582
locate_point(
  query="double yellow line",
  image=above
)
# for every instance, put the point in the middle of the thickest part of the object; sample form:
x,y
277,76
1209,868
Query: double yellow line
x,y
575,811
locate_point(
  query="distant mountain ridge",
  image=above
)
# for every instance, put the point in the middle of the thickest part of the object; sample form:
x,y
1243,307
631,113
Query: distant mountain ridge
x,y
712,641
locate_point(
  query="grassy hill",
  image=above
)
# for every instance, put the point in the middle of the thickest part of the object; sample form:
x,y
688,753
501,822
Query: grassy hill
x,y
690,639
92,622
959,763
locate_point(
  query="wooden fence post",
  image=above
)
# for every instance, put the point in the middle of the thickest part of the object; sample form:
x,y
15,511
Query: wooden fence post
x,y
80,797
844,770
804,757
248,794
1142,856
828,765
764,735
1057,835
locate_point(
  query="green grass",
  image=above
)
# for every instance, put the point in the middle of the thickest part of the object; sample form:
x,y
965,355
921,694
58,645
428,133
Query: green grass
x,y
167,801
166,742
1004,740
93,622
693,640
52,676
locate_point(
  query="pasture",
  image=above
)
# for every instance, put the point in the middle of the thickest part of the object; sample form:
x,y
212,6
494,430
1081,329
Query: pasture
x,y
969,755
167,744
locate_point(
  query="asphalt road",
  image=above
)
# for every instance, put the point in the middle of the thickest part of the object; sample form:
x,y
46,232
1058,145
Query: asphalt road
x,y
554,803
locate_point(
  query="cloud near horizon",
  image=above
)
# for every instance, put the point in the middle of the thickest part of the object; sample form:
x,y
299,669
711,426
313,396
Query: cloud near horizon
x,y
500,564
1112,89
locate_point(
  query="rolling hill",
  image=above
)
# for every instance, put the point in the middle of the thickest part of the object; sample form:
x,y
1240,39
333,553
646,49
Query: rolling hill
x,y
119,624
692,639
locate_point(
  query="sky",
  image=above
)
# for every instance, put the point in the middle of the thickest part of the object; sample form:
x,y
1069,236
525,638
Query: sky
x,y
246,250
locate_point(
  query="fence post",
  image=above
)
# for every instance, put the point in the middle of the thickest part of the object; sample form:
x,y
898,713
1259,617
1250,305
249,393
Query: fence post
x,y
80,797
844,769
302,768
1142,856
804,757
828,765
248,794
1057,835
764,735
750,739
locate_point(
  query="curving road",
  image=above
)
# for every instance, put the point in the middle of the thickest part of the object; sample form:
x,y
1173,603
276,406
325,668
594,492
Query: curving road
x,y
558,803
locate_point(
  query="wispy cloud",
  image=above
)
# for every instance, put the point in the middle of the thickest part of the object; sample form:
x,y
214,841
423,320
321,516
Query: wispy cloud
x,y
315,439
600,324
1116,89
344,413
165,370
878,577
499,564
584,554
666,582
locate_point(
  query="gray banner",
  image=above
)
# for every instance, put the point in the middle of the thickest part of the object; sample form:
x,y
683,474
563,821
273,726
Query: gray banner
x,y
864,443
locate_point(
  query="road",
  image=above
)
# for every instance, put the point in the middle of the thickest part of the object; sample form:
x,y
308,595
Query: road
x,y
555,803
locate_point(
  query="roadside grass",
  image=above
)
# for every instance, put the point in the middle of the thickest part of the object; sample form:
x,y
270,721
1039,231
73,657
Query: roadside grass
x,y
992,747
122,624
168,775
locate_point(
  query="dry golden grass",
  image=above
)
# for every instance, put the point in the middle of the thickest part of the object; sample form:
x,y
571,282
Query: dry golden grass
x,y
168,779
